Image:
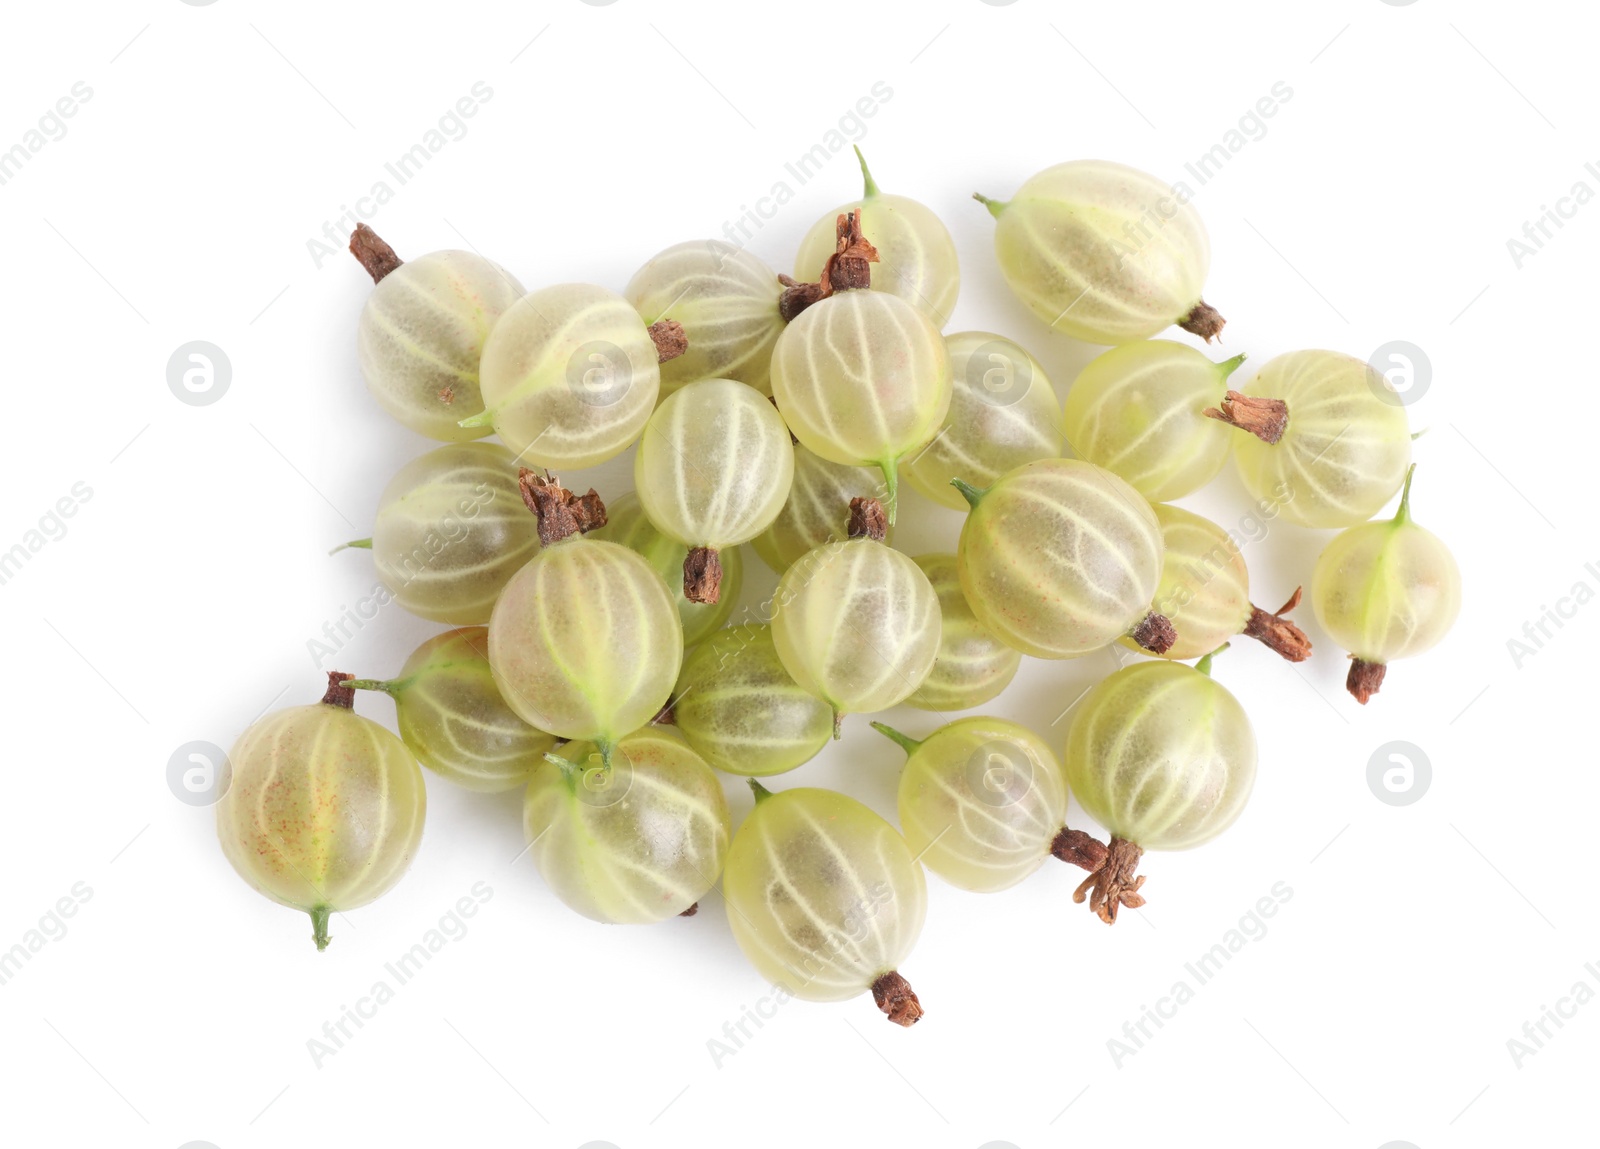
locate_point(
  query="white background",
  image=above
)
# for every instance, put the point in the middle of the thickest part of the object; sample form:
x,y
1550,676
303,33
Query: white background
x,y
178,606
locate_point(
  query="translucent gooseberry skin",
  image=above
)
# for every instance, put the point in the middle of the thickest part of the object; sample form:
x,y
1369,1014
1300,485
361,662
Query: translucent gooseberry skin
x,y
627,525
827,896
1102,252
857,625
727,301
324,812
972,665
569,375
638,841
421,335
585,641
455,722
737,705
1161,755
817,510
1345,449
1060,558
1138,410
1002,414
451,529
1386,590
862,378
1205,586
981,800
715,464
916,255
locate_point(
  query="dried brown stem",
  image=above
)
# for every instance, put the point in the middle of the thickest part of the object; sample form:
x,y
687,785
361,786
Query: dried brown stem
x,y
1114,884
338,694
1155,633
1364,678
670,339
372,253
1205,321
1277,633
849,268
1266,419
691,911
1079,849
867,520
702,575
894,996
561,514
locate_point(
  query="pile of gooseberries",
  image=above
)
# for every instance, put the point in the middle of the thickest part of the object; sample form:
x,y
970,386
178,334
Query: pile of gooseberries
x,y
606,661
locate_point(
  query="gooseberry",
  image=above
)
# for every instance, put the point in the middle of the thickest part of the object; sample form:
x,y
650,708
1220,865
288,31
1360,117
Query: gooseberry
x,y
1164,758
1105,253
713,471
1383,591
726,301
451,529
634,837
1060,558
325,808
1002,414
1139,411
827,899
916,256
453,718
422,331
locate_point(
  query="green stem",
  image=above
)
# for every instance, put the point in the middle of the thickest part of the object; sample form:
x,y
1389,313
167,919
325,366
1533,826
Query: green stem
x,y
389,688
891,483
968,491
319,926
871,188
761,792
569,770
483,418
995,206
1204,665
1229,366
356,544
838,722
1403,515
905,742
